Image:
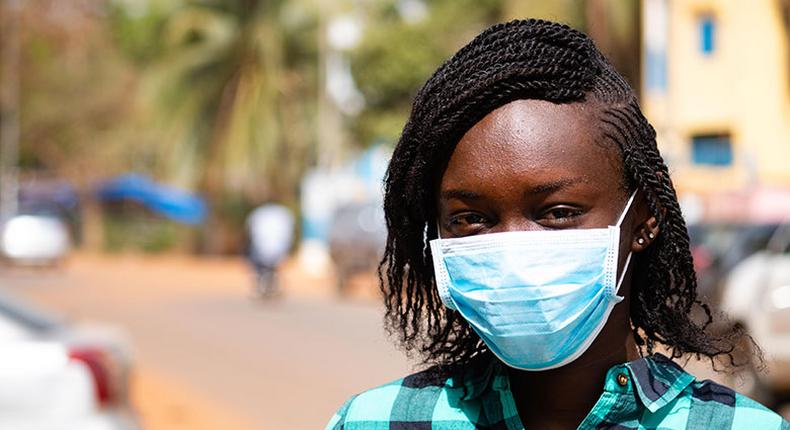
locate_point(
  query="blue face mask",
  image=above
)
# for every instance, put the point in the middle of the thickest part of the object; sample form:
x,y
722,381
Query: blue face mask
x,y
538,299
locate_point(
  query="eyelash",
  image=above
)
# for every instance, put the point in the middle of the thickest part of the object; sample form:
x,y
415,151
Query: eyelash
x,y
567,216
457,219
570,214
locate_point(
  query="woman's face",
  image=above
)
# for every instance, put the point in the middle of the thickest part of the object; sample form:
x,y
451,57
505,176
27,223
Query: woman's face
x,y
534,165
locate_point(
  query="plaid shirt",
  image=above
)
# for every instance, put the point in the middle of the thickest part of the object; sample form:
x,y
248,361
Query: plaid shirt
x,y
649,393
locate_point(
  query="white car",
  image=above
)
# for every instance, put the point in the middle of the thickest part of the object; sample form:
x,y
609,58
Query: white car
x,y
757,295
34,239
54,376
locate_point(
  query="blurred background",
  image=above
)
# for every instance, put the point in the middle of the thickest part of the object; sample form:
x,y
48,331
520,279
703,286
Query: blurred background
x,y
190,191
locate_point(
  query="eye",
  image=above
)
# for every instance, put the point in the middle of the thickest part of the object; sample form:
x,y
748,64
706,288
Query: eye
x,y
467,219
560,216
467,223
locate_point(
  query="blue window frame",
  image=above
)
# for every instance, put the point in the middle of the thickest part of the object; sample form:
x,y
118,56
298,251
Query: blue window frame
x,y
711,150
707,34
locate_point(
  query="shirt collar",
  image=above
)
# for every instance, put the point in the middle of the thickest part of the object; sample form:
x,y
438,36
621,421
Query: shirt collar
x,y
657,379
477,377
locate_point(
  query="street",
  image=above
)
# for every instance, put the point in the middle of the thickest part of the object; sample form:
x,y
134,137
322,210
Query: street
x,y
208,354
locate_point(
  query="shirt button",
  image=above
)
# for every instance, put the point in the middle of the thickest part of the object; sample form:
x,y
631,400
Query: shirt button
x,y
622,380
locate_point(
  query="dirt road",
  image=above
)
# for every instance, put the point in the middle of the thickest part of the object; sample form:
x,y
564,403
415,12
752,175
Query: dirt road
x,y
210,356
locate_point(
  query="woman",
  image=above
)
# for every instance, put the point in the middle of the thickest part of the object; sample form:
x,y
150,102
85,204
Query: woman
x,y
537,254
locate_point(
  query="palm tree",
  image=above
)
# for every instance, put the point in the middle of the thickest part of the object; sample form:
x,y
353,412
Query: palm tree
x,y
234,88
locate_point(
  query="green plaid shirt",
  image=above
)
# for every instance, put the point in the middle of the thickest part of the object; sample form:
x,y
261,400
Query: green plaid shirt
x,y
649,393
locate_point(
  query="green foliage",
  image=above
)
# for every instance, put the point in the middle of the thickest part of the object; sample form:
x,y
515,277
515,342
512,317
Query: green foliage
x,y
138,231
230,87
222,96
227,77
73,96
137,33
396,56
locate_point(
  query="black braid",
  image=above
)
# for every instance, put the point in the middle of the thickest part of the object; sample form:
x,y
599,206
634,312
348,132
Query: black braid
x,y
531,59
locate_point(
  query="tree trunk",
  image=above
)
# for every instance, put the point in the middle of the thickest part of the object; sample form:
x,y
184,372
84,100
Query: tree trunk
x,y
9,107
215,236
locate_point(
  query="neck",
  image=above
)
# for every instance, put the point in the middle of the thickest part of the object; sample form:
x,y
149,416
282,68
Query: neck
x,y
561,398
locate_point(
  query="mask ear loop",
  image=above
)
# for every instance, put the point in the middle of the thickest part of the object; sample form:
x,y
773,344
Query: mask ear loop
x,y
628,258
440,271
626,209
622,275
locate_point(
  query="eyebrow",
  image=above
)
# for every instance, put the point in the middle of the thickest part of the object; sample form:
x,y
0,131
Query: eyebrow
x,y
550,187
460,195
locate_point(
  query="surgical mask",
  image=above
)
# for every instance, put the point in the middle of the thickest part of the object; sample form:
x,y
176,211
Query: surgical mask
x,y
538,299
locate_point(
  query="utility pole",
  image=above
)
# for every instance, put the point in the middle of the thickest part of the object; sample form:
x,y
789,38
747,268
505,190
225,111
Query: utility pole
x,y
9,106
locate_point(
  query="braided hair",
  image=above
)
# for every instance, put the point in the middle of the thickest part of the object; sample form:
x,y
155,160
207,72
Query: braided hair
x,y
531,59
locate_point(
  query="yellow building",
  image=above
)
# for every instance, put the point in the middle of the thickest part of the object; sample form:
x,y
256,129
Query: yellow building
x,y
716,86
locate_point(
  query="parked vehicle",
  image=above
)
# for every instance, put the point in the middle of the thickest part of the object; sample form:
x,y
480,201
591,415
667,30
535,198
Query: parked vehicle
x,y
58,376
357,235
35,238
756,294
718,248
54,197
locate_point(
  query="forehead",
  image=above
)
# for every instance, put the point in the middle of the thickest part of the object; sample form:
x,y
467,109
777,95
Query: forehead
x,y
533,140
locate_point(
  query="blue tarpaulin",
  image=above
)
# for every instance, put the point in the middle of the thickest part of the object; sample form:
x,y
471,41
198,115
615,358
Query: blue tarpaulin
x,y
170,202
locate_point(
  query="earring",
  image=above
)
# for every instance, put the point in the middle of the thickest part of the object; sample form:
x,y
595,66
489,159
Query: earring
x,y
651,236
641,241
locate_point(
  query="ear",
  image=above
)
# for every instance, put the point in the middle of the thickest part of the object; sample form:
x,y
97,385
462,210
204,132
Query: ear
x,y
644,229
644,234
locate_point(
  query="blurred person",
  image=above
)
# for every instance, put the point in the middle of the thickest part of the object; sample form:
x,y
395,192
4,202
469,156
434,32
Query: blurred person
x,y
270,235
537,256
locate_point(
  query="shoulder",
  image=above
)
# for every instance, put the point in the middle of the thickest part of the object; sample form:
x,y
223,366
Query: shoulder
x,y
714,404
423,397
673,398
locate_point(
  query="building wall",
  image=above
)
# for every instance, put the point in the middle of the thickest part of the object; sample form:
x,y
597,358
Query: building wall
x,y
742,88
